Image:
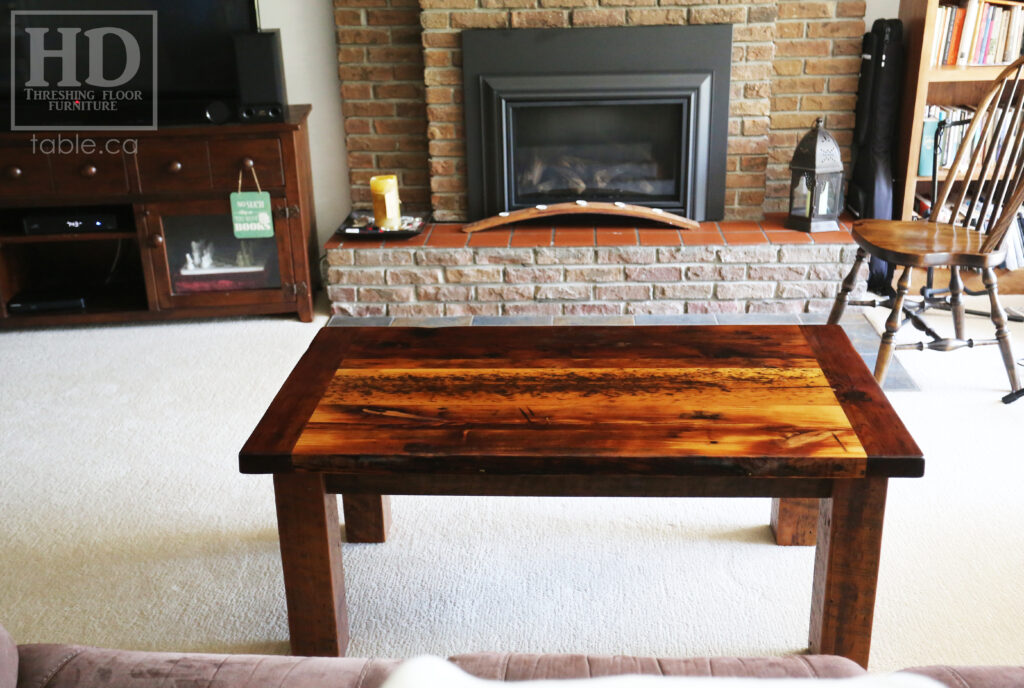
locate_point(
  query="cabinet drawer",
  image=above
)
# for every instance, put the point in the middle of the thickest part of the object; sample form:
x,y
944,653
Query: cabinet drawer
x,y
227,157
173,165
24,173
81,174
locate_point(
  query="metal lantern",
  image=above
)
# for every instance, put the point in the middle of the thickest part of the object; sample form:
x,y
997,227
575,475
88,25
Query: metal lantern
x,y
816,183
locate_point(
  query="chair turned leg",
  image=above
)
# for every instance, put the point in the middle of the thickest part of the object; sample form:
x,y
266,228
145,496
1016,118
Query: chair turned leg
x,y
892,324
839,306
988,276
956,304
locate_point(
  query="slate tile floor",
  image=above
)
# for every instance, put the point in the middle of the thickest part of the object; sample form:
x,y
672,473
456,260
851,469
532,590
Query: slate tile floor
x,y
858,329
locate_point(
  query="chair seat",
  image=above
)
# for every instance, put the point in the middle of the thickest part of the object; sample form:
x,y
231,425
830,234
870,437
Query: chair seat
x,y
924,244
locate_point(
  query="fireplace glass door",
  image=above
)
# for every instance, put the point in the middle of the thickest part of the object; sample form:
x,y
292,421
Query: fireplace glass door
x,y
625,151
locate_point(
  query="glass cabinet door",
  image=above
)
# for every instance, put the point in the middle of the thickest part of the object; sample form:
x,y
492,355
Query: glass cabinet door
x,y
204,255
198,260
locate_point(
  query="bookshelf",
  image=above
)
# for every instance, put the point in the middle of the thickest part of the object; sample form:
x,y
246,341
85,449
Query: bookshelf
x,y
927,85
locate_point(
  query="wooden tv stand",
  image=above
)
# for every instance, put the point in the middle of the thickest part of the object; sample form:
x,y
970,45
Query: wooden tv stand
x,y
151,200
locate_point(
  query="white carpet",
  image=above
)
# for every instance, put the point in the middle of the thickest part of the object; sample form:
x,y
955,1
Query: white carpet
x,y
126,523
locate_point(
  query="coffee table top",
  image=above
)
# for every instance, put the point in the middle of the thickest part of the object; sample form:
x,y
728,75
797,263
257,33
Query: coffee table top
x,y
766,401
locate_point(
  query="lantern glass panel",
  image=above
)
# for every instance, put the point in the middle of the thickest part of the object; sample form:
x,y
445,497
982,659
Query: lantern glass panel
x,y
826,195
801,194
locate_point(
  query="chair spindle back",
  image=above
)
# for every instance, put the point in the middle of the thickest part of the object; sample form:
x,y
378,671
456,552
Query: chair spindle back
x,y
988,169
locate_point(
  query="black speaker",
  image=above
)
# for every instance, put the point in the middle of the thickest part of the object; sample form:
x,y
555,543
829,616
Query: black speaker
x,y
217,112
262,94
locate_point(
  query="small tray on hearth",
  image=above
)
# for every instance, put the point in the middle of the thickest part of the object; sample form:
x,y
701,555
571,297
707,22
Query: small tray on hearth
x,y
359,224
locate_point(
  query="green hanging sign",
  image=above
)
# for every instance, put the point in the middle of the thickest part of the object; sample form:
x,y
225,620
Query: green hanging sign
x,y
252,215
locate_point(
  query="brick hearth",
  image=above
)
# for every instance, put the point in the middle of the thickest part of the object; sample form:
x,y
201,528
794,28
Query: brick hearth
x,y
400,65
727,267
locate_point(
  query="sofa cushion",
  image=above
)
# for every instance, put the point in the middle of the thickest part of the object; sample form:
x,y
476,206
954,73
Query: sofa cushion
x,y
8,660
74,666
974,676
71,666
526,667
434,672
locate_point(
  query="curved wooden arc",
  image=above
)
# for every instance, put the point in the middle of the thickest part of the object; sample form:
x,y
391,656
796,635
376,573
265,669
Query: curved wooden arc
x,y
582,208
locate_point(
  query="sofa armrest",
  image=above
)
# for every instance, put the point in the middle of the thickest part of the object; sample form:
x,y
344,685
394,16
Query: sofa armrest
x,y
973,676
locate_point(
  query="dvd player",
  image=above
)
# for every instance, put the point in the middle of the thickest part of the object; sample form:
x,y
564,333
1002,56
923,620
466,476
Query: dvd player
x,y
68,222
45,301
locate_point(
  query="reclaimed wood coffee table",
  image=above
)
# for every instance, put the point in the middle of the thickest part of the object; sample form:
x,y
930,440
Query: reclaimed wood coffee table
x,y
788,412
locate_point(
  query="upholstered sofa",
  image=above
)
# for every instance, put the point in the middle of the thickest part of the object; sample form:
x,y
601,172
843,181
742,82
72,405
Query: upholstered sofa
x,y
76,666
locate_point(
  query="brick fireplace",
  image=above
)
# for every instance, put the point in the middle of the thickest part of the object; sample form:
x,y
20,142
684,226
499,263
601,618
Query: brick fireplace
x,y
401,71
400,66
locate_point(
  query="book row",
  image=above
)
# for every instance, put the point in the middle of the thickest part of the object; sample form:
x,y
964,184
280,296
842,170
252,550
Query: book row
x,y
977,32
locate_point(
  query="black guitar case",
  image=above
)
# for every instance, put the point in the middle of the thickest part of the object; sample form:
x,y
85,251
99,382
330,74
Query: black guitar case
x,y
869,192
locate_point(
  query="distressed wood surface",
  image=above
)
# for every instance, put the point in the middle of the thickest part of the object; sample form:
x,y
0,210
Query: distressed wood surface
x,y
881,432
726,400
269,447
795,521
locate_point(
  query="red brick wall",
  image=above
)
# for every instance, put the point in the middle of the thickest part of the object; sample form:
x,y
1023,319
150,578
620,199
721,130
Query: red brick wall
x,y
792,61
816,67
380,62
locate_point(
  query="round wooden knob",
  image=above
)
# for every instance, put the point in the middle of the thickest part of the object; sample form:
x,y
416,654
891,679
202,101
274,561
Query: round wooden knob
x,y
14,172
248,163
89,170
174,167
156,240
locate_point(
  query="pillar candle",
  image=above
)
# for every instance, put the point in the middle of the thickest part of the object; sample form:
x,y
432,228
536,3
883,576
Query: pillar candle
x,y
387,210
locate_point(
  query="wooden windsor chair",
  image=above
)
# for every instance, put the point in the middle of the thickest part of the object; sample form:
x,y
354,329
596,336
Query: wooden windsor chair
x,y
976,205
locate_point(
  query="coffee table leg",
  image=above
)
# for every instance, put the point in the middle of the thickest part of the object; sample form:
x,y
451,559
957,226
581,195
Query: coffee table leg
x,y
795,521
314,581
367,517
846,568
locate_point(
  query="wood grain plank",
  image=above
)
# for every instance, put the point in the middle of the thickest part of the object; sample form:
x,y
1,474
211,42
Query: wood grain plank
x,y
368,443
570,485
314,580
622,360
890,448
587,465
269,447
779,347
846,568
499,385
683,407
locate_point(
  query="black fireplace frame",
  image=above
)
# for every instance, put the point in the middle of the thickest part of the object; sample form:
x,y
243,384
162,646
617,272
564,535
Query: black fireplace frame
x,y
684,65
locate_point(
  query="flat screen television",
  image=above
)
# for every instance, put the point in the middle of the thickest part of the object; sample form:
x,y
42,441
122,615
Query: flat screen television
x,y
193,52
